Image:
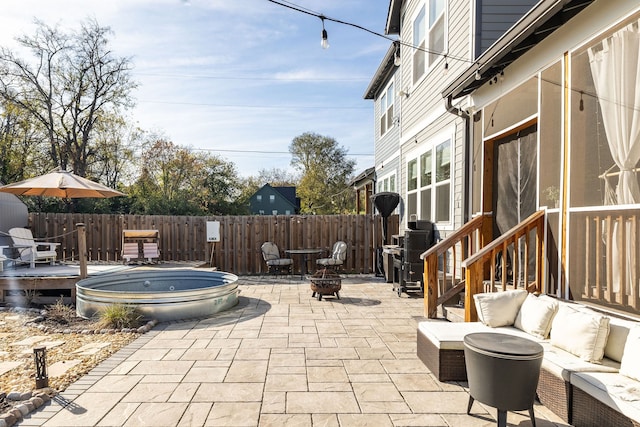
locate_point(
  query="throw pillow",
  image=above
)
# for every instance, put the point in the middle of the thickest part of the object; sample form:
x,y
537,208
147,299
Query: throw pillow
x,y
629,365
499,308
583,334
536,314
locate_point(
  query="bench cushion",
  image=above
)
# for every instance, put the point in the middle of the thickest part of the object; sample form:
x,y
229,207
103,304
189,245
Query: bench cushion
x,y
581,333
499,308
614,390
536,314
618,332
561,363
450,335
629,365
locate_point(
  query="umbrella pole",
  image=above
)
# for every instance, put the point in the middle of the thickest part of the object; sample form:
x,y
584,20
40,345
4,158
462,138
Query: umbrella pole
x,y
82,249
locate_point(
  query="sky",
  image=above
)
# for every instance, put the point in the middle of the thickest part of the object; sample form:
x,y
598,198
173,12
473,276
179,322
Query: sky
x,y
239,78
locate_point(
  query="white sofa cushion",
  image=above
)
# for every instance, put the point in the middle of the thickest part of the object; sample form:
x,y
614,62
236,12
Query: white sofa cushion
x,y
450,335
562,364
536,314
581,333
629,365
618,332
614,390
499,308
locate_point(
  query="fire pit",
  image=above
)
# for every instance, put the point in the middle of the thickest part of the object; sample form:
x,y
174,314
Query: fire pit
x,y
325,282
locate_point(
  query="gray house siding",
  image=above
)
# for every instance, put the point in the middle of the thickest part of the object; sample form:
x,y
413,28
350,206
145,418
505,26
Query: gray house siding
x,y
495,17
424,119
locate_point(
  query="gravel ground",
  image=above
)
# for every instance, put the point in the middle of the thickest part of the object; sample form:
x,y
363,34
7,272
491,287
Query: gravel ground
x,y
18,326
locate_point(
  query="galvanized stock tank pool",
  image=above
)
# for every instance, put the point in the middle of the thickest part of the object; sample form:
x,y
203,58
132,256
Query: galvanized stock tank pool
x,y
162,294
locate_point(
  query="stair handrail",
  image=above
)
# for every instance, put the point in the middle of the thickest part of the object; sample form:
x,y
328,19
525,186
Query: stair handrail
x,y
474,265
430,257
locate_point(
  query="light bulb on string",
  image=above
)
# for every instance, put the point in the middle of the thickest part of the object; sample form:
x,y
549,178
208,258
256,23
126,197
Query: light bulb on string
x,y
396,56
324,42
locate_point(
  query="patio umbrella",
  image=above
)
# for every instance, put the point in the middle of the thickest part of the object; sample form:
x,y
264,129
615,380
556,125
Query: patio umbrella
x,y
60,183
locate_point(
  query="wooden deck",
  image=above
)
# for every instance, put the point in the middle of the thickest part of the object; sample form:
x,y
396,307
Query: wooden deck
x,y
47,283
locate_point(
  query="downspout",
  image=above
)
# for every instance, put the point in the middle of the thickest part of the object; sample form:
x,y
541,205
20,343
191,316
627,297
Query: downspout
x,y
468,138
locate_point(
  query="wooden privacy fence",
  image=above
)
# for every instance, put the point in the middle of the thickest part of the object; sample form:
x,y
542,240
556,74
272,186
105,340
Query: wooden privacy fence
x,y
183,238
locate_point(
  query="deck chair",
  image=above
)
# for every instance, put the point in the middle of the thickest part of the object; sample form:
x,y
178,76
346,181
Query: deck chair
x,y
338,256
150,251
130,251
28,248
275,264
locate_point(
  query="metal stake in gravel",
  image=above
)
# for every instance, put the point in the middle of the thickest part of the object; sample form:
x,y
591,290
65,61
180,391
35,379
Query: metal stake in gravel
x,y
40,359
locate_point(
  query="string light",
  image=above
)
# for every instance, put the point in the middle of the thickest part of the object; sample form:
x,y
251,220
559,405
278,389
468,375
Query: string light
x,y
324,42
581,107
338,21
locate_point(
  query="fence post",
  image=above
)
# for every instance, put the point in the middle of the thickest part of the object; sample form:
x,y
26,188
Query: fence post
x,y
82,249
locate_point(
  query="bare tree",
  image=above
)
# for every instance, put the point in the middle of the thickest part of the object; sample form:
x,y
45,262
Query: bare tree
x,y
73,82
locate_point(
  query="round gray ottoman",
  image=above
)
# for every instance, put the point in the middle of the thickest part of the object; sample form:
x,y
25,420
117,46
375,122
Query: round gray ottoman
x,y
503,372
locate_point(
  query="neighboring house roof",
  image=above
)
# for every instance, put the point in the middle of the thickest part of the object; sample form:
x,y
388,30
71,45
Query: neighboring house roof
x,y
541,21
368,175
288,193
384,72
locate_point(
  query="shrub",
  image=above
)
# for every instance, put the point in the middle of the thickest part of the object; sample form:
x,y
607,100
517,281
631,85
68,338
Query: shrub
x,y
120,316
61,313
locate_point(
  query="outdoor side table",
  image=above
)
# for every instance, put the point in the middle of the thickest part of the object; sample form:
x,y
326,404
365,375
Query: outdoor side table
x,y
503,372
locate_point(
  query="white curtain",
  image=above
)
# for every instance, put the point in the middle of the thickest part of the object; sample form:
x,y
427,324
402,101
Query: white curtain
x,y
615,66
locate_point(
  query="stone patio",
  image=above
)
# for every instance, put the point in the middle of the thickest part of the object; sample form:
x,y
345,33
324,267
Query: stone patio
x,y
279,358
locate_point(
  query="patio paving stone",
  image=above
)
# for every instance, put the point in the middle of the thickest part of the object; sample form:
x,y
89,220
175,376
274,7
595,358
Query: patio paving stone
x,y
280,358
119,414
234,414
247,371
195,415
321,402
150,392
151,414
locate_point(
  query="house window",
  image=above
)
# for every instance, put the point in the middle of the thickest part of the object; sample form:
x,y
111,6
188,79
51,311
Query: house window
x,y
261,211
287,212
429,184
274,212
428,36
386,110
272,198
259,197
387,183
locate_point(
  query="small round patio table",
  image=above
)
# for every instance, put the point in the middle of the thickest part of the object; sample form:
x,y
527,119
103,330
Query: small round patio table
x,y
503,372
304,255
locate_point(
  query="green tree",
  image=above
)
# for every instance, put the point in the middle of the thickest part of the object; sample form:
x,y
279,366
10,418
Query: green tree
x,y
174,180
73,83
325,172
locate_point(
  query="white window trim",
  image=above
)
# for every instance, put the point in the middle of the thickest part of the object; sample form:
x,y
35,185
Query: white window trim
x,y
384,93
428,67
430,145
388,176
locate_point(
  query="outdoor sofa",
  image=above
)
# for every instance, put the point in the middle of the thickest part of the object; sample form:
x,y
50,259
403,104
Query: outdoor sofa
x,y
590,374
